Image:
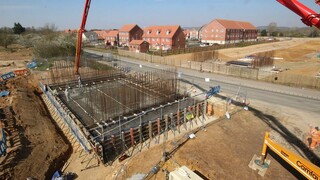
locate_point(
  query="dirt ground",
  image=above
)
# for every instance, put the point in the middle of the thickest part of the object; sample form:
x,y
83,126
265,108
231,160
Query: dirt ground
x,y
222,151
38,146
298,55
15,52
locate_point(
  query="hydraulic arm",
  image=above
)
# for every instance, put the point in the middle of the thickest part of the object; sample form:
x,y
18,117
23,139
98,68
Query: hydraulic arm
x,y
306,168
308,16
79,36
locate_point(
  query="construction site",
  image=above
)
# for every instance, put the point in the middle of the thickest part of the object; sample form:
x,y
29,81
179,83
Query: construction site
x,y
111,110
115,117
136,116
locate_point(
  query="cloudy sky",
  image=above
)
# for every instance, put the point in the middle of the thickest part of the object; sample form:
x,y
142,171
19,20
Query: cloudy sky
x,y
106,14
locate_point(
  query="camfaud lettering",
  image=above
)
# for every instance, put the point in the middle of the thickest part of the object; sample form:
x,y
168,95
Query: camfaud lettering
x,y
307,170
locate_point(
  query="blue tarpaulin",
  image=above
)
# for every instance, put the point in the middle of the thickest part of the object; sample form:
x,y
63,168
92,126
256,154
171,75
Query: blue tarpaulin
x,y
32,64
8,75
3,144
57,175
213,90
4,93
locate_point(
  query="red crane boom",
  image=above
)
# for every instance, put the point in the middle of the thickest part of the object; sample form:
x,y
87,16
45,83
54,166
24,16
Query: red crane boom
x,y
308,16
79,35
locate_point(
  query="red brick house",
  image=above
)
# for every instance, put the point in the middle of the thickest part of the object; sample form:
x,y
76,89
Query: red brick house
x,y
194,33
223,31
101,34
139,46
112,38
186,33
128,33
164,37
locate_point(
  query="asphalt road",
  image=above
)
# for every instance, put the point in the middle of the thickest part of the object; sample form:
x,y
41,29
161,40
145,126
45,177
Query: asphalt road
x,y
302,99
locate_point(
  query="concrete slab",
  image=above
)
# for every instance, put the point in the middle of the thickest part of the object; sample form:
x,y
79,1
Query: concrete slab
x,y
261,169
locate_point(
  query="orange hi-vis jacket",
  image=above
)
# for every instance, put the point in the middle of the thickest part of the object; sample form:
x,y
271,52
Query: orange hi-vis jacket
x,y
315,134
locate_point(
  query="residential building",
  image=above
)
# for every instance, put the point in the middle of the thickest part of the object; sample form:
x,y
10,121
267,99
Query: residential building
x,y
139,46
112,38
128,33
89,36
223,31
101,34
186,33
164,37
194,33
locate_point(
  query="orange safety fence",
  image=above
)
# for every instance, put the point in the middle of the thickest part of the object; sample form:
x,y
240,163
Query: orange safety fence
x,y
21,72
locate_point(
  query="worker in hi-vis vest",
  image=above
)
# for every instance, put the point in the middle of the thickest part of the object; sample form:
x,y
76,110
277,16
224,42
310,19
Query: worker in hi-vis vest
x,y
315,138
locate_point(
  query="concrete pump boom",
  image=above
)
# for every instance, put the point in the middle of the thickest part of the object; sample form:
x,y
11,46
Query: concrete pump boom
x,y
303,166
308,16
79,36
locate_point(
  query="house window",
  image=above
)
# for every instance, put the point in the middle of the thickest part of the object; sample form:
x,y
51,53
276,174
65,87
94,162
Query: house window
x,y
168,40
158,32
168,32
144,39
152,39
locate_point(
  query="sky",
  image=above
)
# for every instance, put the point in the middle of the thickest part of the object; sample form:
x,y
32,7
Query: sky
x,y
113,14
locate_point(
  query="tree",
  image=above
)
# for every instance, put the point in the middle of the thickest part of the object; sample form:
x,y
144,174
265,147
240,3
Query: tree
x,y
49,31
272,27
314,32
6,37
263,33
18,29
274,34
61,45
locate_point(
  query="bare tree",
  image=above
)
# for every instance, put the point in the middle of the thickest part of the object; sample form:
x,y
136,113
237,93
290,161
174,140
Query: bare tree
x,y
6,37
272,28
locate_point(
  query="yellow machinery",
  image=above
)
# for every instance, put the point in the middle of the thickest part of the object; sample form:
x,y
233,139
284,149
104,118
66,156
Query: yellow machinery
x,y
306,168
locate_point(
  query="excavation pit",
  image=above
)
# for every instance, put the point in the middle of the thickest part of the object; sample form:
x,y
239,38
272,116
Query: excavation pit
x,y
110,111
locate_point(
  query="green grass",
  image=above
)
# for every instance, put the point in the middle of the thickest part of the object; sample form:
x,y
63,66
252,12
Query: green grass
x,y
112,51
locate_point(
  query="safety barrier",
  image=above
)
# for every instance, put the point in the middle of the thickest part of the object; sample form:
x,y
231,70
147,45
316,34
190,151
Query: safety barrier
x,y
13,74
68,121
3,143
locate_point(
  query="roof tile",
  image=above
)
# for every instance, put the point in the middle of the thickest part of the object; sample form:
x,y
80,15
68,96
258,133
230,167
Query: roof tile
x,y
160,31
230,24
127,27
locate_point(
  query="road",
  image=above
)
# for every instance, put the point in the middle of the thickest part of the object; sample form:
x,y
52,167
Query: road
x,y
303,99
